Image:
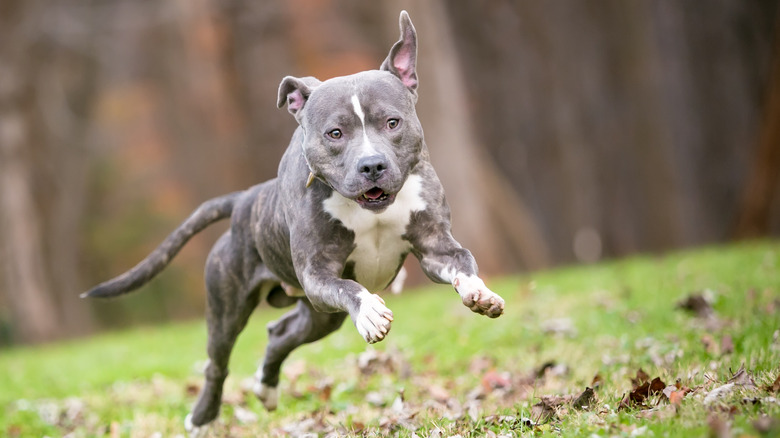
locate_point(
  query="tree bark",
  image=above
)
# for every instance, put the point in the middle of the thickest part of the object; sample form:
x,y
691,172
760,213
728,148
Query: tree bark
x,y
25,286
762,185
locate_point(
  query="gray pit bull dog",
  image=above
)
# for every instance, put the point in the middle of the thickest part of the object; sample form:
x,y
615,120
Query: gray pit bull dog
x,y
355,195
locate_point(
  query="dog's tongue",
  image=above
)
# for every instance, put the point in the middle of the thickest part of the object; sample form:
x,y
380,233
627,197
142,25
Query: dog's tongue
x,y
374,193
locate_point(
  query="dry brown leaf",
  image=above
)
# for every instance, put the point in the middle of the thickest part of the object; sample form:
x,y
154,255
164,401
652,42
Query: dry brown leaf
x,y
697,303
492,380
438,393
597,381
719,428
641,391
542,412
775,387
641,378
726,345
480,364
767,426
743,378
585,400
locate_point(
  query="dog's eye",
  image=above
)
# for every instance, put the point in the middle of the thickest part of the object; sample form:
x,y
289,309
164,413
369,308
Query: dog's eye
x,y
335,134
392,123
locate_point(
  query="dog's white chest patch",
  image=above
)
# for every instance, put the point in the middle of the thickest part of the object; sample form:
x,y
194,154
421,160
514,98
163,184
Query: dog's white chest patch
x,y
379,244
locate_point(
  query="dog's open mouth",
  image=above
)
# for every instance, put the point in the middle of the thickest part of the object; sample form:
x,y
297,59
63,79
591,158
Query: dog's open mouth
x,y
375,199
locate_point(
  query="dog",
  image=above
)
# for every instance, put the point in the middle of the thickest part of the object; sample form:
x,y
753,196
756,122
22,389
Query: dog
x,y
355,194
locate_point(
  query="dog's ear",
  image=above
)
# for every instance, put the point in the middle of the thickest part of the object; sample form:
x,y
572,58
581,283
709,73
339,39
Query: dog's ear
x,y
402,60
295,92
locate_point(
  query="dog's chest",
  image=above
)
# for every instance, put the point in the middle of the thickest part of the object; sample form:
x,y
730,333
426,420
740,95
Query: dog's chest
x,y
379,242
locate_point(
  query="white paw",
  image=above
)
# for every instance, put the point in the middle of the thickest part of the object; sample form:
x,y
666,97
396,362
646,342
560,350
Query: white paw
x,y
477,297
374,318
192,430
268,395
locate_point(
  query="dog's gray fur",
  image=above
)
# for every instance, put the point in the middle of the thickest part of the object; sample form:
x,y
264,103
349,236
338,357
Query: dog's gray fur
x,y
310,238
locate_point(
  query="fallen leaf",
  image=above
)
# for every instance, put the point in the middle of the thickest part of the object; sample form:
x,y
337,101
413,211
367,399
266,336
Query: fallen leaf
x,y
656,386
398,404
597,381
543,369
480,364
244,416
376,399
743,378
641,377
726,345
658,413
324,389
584,400
718,393
675,394
709,343
676,397
438,393
775,387
492,380
719,428
699,304
767,426
295,370
559,326
542,412
641,391
192,389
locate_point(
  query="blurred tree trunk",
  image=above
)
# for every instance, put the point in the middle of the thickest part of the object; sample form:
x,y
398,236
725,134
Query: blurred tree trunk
x,y
25,285
623,121
762,185
258,57
489,216
47,93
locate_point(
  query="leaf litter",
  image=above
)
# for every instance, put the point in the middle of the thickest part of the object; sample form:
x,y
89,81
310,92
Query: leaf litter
x,y
386,397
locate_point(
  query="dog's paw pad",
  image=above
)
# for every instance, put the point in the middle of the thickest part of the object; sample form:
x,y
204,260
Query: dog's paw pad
x,y
374,318
477,297
268,395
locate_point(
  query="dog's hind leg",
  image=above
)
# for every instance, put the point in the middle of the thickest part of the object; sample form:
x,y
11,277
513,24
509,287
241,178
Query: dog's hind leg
x,y
300,326
232,296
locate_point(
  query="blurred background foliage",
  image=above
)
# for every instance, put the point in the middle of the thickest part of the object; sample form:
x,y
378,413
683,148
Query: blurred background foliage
x,y
564,132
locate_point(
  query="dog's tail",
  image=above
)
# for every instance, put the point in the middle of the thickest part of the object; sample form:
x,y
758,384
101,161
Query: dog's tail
x,y
209,212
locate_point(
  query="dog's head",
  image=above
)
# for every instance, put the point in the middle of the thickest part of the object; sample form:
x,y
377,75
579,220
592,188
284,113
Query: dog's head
x,y
361,132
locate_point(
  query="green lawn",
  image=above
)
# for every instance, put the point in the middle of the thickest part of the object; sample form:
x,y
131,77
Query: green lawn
x,y
459,373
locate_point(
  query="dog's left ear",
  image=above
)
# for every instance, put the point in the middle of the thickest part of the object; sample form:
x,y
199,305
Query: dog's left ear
x,y
295,92
402,60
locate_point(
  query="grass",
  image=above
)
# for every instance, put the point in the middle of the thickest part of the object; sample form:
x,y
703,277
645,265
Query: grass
x,y
459,373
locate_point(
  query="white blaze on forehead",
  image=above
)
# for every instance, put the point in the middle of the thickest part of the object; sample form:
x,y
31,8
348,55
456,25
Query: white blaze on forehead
x,y
368,148
359,111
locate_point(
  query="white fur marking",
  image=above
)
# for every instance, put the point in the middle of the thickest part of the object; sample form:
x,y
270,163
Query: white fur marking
x,y
378,236
367,148
465,284
192,430
476,296
374,318
358,110
268,395
448,274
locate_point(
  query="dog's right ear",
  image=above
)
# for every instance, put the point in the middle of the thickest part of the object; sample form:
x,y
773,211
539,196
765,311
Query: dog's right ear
x,y
295,92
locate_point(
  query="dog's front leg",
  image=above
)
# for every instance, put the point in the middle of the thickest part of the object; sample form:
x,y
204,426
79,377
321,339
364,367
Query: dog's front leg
x,y
444,260
329,293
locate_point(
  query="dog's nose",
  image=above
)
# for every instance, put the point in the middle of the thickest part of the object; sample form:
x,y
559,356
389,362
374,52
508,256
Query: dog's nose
x,y
372,167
